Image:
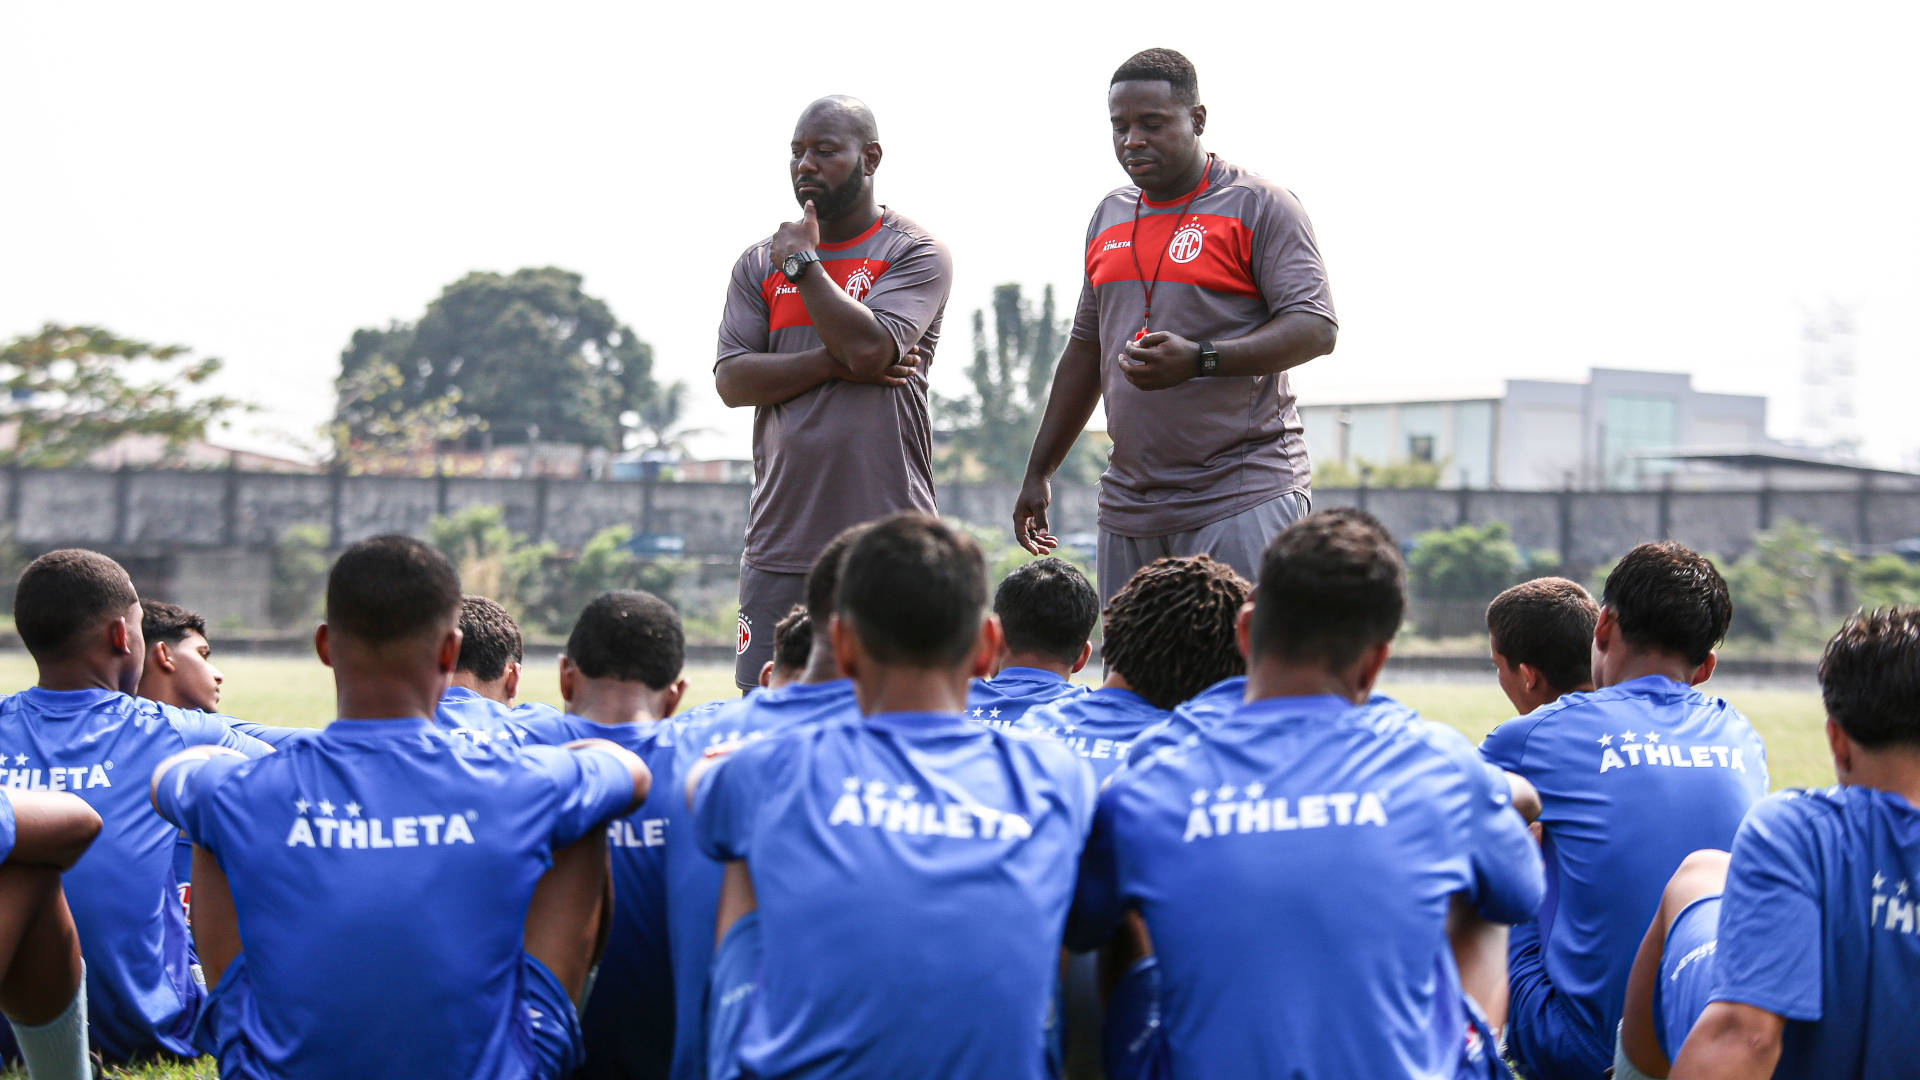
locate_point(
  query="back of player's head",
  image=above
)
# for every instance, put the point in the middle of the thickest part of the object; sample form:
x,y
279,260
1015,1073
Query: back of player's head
x,y
823,581
914,592
1870,678
161,622
629,635
1047,607
793,639
1170,631
1161,65
1668,597
392,588
62,594
1546,622
1331,586
489,639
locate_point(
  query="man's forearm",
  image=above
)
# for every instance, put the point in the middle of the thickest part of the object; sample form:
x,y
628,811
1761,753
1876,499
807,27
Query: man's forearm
x,y
1070,404
1285,341
771,378
1730,1042
848,328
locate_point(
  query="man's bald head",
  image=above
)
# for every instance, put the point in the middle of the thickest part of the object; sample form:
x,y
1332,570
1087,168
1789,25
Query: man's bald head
x,y
848,116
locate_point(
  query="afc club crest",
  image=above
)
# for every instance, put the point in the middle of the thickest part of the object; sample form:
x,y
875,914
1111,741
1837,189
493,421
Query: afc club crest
x,y
1186,244
860,282
742,634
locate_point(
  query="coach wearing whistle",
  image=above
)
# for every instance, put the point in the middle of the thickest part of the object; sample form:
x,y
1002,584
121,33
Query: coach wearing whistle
x,y
1203,287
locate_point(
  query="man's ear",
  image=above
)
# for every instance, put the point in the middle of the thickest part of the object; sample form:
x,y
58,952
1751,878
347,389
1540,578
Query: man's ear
x,y
1243,631
986,647
569,680
846,646
1372,659
510,685
1531,679
449,657
161,657
870,155
1199,119
1086,654
119,637
1604,629
321,647
1842,748
1705,670
766,674
671,698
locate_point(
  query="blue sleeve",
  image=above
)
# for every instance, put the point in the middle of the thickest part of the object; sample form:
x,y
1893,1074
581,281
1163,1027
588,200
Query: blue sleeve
x,y
1769,954
1507,744
724,802
594,788
1097,905
184,796
1509,879
1169,732
251,739
7,827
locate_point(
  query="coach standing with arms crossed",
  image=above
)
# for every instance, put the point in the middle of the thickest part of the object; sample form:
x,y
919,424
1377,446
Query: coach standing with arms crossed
x,y
1203,286
829,328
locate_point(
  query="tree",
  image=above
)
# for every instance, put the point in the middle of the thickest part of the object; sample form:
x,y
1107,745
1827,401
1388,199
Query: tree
x,y
1406,473
1453,573
1886,581
659,417
991,428
71,390
376,430
529,354
1790,586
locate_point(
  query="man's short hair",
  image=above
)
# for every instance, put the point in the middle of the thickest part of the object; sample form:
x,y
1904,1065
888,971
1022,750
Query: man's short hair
x,y
63,593
1870,678
1047,607
823,580
489,639
793,639
629,635
1546,622
392,588
914,590
168,623
1668,597
1161,65
1170,631
1331,586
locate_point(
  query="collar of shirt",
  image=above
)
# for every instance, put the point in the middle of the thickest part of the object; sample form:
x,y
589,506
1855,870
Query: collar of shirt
x,y
375,731
1652,684
1307,708
1120,695
923,723
1027,674
803,691
67,704
461,693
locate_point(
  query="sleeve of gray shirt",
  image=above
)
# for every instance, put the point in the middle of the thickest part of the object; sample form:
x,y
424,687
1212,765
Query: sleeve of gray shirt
x,y
912,292
743,322
1286,259
1086,315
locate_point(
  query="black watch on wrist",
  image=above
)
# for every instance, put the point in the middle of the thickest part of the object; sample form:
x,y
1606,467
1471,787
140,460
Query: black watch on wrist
x,y
796,265
1209,358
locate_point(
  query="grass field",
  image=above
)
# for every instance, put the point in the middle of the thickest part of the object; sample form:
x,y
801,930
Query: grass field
x,y
299,693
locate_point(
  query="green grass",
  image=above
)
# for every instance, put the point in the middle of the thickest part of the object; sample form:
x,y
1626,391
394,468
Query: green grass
x,y
299,693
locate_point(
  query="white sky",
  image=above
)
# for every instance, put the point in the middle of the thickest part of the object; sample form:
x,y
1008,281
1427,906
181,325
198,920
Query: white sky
x,y
1500,190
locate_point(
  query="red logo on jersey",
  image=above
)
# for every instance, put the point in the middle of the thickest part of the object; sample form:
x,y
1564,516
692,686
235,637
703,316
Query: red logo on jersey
x,y
1186,244
742,634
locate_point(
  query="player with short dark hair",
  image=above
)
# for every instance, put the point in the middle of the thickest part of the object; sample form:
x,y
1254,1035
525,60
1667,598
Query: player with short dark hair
x,y
81,730
876,838
1203,287
1797,955
179,668
414,904
1542,641
42,976
820,693
621,679
1047,611
1339,966
1633,776
479,702
828,333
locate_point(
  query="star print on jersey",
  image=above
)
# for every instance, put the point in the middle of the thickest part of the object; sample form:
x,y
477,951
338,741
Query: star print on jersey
x,y
935,816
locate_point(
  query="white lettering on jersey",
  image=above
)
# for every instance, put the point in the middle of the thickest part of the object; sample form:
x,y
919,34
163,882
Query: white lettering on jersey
x,y
1227,816
417,830
875,805
1654,752
1094,749
651,833
1894,913
56,777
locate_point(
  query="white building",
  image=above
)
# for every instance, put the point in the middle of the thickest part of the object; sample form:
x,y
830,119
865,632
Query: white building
x,y
1607,432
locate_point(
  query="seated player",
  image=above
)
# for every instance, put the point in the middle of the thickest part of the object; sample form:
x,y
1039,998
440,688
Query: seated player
x,y
792,646
1541,636
81,730
1632,778
1339,966
620,678
1167,636
382,899
479,702
819,692
1798,956
179,671
908,871
42,979
1047,611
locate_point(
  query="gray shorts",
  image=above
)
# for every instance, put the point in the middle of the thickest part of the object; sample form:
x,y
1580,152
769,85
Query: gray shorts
x,y
765,599
1238,541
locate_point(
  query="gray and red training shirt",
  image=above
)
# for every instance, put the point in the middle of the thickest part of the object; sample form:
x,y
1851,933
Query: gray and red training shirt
x,y
1207,449
841,453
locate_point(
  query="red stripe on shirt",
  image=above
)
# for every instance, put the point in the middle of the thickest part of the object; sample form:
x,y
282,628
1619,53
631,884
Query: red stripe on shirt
x,y
1218,252
784,306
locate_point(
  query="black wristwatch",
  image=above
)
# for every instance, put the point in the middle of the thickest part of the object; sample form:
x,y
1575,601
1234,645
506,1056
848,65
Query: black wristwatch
x,y
796,265
1209,358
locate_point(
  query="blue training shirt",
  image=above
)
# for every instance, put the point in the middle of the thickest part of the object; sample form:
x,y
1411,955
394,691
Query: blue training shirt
x,y
464,712
1294,866
1818,925
380,875
1099,725
7,826
102,745
1632,778
1002,701
629,1021
913,873
693,877
1197,714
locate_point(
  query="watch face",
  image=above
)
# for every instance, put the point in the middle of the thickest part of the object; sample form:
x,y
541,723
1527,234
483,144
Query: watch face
x,y
791,265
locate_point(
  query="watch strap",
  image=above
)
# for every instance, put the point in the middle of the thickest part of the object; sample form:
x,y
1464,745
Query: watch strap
x,y
1209,358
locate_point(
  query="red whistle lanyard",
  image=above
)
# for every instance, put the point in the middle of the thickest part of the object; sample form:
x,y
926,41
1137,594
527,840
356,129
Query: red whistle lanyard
x,y
1133,247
